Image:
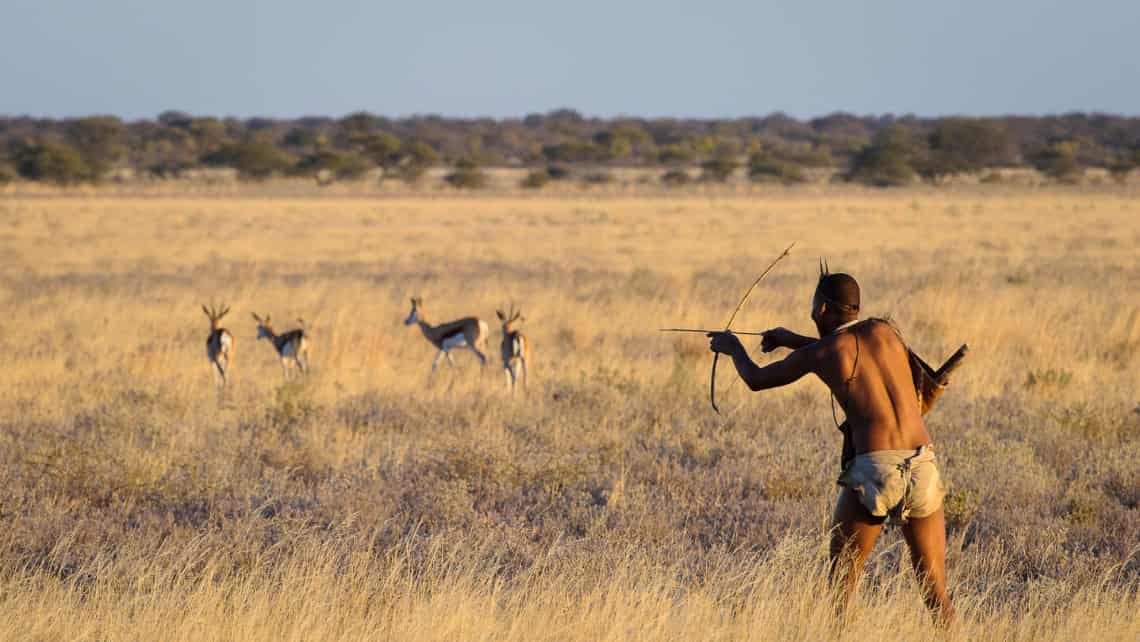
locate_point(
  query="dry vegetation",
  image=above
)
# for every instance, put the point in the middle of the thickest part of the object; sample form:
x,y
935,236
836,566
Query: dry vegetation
x,y
607,503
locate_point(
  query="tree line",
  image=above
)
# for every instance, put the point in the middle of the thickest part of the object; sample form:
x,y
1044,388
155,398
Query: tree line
x,y
883,151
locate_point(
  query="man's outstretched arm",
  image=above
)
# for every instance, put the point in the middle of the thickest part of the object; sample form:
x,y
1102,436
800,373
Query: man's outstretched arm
x,y
776,374
784,338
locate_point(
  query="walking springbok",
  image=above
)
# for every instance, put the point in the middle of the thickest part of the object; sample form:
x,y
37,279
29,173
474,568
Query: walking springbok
x,y
220,343
468,332
514,347
291,346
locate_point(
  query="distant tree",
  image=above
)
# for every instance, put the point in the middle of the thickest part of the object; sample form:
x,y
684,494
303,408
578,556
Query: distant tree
x,y
763,167
467,175
100,140
557,172
254,159
818,155
306,138
168,153
420,153
381,148
887,160
209,133
615,147
703,145
723,163
675,155
960,145
718,169
1059,161
575,152
564,121
175,118
360,122
52,162
1124,163
417,158
340,165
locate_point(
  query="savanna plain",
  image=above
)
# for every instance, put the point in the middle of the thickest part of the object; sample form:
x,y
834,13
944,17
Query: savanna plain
x,y
606,501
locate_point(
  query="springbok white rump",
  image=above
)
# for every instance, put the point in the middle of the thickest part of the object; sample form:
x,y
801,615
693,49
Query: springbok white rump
x,y
220,343
515,349
292,346
468,332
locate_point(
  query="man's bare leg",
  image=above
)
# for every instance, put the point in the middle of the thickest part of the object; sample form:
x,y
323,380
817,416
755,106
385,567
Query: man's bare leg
x,y
926,538
853,534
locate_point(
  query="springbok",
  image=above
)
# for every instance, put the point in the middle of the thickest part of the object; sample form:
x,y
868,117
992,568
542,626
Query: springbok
x,y
220,343
514,348
468,332
291,346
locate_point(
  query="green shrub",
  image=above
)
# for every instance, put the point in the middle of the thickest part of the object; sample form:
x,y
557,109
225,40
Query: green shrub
x,y
762,167
100,140
255,159
718,169
674,155
886,162
467,175
960,145
417,158
1059,161
53,162
380,148
344,166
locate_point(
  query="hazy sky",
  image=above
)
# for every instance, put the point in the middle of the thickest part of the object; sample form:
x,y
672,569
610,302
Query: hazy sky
x,y
135,58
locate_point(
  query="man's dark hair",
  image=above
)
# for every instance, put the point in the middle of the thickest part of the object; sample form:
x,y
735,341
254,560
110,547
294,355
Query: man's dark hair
x,y
840,290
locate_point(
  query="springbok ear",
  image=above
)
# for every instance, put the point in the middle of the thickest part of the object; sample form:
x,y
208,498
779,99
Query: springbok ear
x,y
499,313
207,311
255,317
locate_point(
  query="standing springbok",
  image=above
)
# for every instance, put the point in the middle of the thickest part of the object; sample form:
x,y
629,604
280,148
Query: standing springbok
x,y
468,332
220,343
514,347
291,346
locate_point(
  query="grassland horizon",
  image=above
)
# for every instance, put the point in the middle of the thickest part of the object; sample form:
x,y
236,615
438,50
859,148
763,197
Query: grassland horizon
x,y
607,502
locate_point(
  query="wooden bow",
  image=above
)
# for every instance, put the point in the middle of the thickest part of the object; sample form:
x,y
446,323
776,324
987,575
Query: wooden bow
x,y
728,326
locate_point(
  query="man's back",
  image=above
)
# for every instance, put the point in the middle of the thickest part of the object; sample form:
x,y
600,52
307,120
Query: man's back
x,y
868,370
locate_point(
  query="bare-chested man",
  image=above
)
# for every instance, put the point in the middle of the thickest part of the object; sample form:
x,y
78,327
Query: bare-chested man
x,y
892,473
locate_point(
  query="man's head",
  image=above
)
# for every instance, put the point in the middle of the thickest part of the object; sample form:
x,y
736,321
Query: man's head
x,y
836,301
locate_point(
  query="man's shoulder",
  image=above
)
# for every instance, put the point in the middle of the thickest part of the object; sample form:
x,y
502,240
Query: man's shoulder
x,y
876,327
866,334
829,345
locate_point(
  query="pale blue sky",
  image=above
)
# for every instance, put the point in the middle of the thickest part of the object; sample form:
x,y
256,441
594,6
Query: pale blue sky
x,y
715,58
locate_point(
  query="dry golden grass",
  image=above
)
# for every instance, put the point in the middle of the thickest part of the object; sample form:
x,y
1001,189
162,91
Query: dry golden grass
x,y
608,502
